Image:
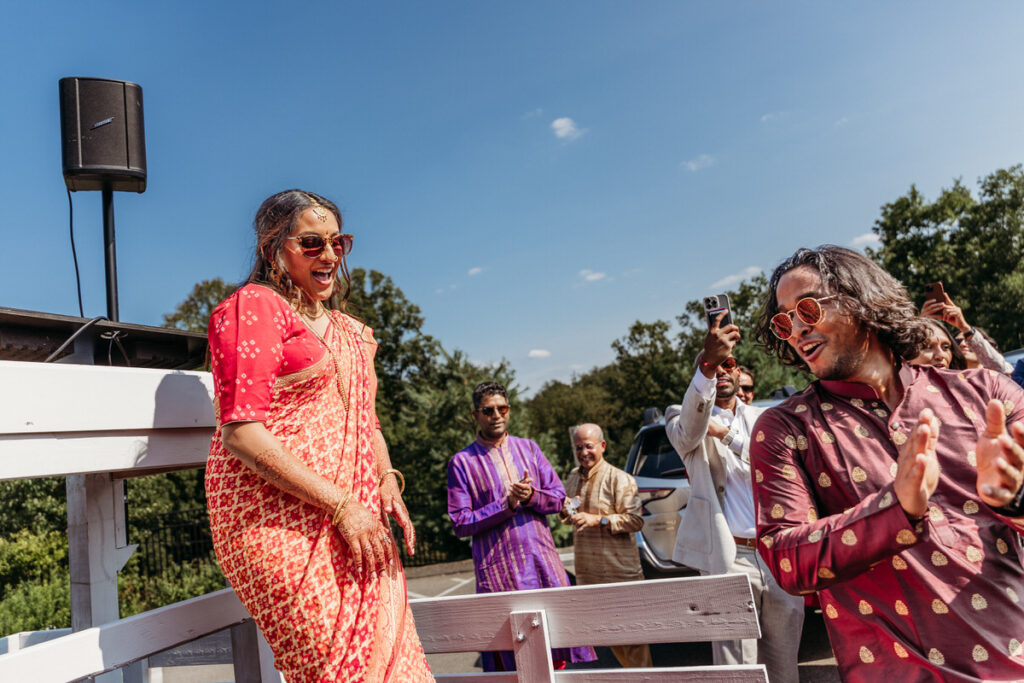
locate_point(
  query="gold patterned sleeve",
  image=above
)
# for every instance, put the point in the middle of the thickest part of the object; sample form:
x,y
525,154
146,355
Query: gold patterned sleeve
x,y
626,517
807,554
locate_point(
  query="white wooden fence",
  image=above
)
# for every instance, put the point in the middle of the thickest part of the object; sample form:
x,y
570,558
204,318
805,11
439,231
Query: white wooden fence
x,y
96,426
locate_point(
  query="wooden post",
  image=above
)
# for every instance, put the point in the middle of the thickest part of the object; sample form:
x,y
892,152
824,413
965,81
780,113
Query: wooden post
x,y
97,550
253,659
531,646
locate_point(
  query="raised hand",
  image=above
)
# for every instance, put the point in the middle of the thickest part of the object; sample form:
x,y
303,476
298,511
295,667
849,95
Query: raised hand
x,y
1000,457
917,468
946,311
719,343
370,542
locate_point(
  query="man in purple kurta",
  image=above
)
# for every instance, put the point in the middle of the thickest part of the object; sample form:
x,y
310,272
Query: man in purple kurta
x,y
893,491
500,490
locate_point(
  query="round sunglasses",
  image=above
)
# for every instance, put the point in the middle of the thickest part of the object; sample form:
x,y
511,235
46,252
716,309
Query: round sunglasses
x,y
809,311
312,245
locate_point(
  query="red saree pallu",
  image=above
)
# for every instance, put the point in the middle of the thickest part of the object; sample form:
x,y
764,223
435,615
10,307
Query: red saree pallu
x,y
324,619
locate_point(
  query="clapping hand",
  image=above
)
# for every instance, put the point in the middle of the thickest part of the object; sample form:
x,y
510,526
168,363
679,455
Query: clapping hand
x,y
917,468
1000,457
521,490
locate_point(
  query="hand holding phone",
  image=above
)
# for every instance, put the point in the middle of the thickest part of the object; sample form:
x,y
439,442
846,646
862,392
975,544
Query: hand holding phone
x,y
933,291
714,305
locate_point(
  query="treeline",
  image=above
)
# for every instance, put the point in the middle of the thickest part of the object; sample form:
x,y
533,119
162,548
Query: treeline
x,y
974,244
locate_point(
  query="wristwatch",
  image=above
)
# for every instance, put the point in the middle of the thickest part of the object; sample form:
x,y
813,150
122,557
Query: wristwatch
x,y
728,438
605,521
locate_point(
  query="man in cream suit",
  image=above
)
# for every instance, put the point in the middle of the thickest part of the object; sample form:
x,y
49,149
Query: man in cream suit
x,y
711,432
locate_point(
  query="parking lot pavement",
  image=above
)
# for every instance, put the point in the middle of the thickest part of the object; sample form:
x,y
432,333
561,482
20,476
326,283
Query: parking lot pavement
x,y
817,665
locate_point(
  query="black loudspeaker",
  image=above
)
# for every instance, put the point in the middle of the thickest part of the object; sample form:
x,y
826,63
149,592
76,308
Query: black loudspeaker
x,y
103,142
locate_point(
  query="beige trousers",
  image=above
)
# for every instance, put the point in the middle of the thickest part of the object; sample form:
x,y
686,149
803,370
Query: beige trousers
x,y
782,621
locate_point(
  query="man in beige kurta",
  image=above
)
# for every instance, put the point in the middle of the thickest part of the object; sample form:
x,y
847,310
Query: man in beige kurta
x,y
607,516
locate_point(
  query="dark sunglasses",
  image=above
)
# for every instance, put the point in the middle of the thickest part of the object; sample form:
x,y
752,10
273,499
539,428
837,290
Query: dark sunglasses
x,y
809,311
312,245
747,387
728,364
490,410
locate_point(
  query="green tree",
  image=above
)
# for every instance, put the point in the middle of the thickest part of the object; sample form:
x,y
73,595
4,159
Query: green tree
x,y
193,314
974,246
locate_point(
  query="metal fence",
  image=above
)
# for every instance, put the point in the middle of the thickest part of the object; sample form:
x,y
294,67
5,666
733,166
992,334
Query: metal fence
x,y
177,539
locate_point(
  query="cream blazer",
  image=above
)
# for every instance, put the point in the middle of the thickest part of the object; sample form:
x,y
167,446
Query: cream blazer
x,y
704,540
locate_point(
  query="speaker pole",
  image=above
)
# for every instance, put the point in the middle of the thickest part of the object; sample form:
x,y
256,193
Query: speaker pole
x,y
110,252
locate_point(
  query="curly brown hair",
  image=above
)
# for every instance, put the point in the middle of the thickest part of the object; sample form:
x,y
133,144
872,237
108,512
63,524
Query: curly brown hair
x,y
863,290
274,221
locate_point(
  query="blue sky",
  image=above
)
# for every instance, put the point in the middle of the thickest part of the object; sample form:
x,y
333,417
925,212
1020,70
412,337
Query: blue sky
x,y
534,175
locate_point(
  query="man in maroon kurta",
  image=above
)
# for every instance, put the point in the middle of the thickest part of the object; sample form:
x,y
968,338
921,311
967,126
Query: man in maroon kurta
x,y
892,490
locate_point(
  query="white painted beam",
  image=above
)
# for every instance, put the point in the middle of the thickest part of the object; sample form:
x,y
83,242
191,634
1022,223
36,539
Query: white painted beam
x,y
110,646
51,398
686,609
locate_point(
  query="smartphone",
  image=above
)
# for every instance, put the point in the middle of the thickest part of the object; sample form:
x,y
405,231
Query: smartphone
x,y
714,305
934,292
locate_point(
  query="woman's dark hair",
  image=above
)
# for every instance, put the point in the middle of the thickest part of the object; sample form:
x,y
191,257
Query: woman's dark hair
x,y
485,389
274,221
957,362
863,290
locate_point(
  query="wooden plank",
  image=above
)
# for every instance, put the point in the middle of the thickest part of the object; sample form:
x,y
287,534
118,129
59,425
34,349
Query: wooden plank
x,y
110,646
687,609
45,398
754,673
743,673
52,455
531,647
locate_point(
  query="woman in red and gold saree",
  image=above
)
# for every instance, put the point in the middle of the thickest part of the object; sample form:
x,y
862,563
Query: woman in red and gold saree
x,y
299,482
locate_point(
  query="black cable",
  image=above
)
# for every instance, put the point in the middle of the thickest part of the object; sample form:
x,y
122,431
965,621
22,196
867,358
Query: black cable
x,y
72,338
74,255
114,337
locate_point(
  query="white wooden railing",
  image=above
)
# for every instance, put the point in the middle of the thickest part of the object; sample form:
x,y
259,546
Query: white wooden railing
x,y
97,426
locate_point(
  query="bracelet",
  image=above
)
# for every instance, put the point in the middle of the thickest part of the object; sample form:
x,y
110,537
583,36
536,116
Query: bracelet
x,y
338,511
401,479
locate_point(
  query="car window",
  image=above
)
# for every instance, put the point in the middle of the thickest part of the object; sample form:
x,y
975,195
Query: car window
x,y
657,457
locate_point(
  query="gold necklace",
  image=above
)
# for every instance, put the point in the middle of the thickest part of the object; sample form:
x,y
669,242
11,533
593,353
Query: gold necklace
x,y
330,351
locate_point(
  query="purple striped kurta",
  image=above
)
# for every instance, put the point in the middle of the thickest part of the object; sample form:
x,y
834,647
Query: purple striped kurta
x,y
512,549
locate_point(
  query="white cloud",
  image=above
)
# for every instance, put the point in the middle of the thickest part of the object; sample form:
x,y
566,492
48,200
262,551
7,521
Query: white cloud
x,y
566,129
735,278
476,270
539,353
773,116
841,122
533,114
702,161
592,276
865,239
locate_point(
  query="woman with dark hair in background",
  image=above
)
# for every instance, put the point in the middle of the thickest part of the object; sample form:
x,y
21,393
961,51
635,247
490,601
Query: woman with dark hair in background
x,y
978,349
938,349
299,482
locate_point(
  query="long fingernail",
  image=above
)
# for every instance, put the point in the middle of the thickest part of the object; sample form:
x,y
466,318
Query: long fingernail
x,y
987,490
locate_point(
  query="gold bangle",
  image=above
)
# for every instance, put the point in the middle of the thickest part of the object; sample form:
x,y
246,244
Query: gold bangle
x,y
401,479
338,511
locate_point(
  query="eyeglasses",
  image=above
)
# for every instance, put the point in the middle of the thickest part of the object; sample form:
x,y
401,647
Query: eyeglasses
x,y
490,410
807,309
728,364
312,245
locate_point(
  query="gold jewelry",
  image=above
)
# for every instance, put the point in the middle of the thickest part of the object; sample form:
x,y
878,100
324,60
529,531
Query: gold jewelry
x,y
322,217
330,351
401,479
338,511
